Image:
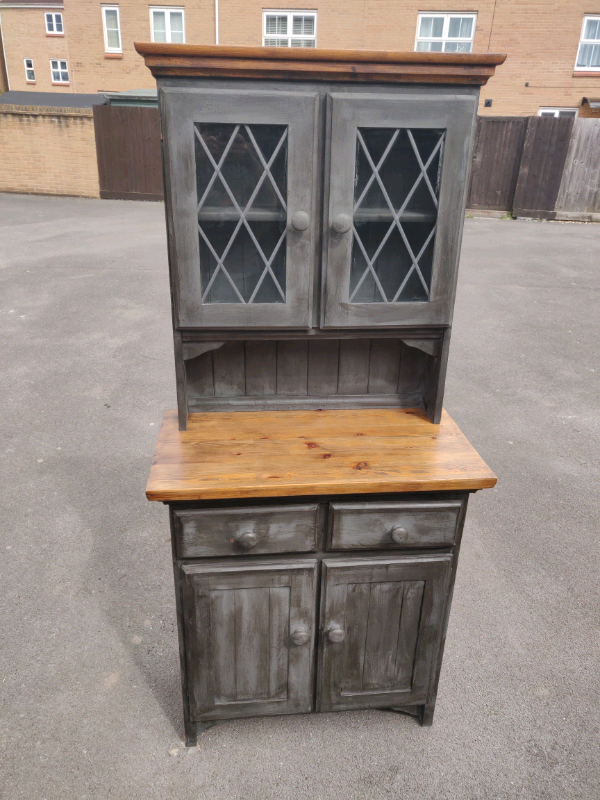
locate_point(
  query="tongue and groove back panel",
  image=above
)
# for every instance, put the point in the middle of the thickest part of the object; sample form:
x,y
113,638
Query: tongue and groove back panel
x,y
284,373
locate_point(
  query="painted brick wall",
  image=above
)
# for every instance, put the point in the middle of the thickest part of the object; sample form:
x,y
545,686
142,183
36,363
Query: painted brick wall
x,y
48,151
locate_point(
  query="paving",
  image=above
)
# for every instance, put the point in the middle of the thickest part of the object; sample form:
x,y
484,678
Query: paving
x,y
89,673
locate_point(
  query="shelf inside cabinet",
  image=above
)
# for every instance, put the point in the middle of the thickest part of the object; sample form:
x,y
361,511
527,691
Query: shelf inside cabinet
x,y
217,214
385,215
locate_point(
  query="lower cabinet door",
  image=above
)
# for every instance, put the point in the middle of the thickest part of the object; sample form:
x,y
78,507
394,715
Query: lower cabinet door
x,y
249,634
382,625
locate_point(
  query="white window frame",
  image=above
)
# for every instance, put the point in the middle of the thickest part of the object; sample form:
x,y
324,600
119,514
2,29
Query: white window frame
x,y
107,48
444,38
29,69
582,41
59,61
167,10
289,13
555,111
54,15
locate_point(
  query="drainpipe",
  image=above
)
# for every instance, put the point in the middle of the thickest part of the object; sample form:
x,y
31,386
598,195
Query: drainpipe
x,y
216,21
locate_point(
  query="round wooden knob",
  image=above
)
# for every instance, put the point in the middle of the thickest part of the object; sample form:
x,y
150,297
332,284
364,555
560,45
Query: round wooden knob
x,y
399,534
247,540
300,220
301,636
342,223
336,633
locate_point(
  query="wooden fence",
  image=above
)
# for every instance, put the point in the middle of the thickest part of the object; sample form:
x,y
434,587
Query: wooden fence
x,y
496,157
542,167
128,151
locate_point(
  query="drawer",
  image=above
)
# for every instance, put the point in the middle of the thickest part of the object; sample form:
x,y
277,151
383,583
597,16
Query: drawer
x,y
201,532
363,526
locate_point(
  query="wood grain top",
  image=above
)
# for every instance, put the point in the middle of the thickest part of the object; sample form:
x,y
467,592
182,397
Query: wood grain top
x,y
285,63
291,453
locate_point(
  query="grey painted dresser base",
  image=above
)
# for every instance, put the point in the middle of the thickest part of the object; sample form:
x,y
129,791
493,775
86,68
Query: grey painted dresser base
x,y
296,605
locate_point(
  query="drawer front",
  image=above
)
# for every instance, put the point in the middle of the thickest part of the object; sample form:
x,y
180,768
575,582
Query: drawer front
x,y
364,526
241,531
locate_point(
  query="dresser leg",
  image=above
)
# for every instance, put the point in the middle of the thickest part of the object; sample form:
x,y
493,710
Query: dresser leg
x,y
412,711
426,716
192,729
190,732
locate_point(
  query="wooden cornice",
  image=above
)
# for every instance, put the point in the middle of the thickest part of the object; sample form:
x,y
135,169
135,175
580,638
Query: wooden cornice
x,y
268,63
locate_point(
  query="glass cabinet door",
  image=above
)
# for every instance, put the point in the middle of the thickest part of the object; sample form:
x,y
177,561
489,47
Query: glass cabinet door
x,y
240,184
397,187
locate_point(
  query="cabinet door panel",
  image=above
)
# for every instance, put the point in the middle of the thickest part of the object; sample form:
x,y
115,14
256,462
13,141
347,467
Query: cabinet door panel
x,y
397,188
240,184
387,616
241,623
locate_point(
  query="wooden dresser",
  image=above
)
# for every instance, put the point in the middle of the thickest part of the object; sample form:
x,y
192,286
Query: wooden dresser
x,y
317,490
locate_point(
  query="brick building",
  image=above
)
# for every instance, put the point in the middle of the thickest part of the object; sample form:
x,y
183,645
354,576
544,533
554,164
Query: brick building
x,y
553,48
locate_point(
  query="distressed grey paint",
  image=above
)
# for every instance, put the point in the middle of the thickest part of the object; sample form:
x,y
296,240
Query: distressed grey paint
x,y
215,532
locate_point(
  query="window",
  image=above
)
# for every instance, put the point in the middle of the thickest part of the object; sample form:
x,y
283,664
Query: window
x,y
448,33
112,29
289,29
54,24
167,25
588,55
29,71
60,71
557,112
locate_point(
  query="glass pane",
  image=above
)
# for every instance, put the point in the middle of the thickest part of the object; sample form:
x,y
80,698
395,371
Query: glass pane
x,y
113,38
276,25
176,18
585,52
64,76
460,27
592,29
589,55
276,42
49,23
431,26
241,183
303,26
30,75
395,213
160,26
424,46
457,47
567,113
56,76
59,25
302,42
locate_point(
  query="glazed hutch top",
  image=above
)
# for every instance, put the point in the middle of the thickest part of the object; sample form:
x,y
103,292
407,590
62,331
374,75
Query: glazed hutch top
x,y
315,202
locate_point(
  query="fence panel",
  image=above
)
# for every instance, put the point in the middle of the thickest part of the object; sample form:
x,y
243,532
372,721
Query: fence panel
x,y
579,194
128,152
542,163
496,159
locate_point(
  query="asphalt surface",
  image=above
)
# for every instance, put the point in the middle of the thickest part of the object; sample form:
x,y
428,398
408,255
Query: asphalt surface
x,y
89,673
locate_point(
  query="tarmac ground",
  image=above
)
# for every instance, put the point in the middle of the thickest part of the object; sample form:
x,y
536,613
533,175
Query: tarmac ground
x,y
90,703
